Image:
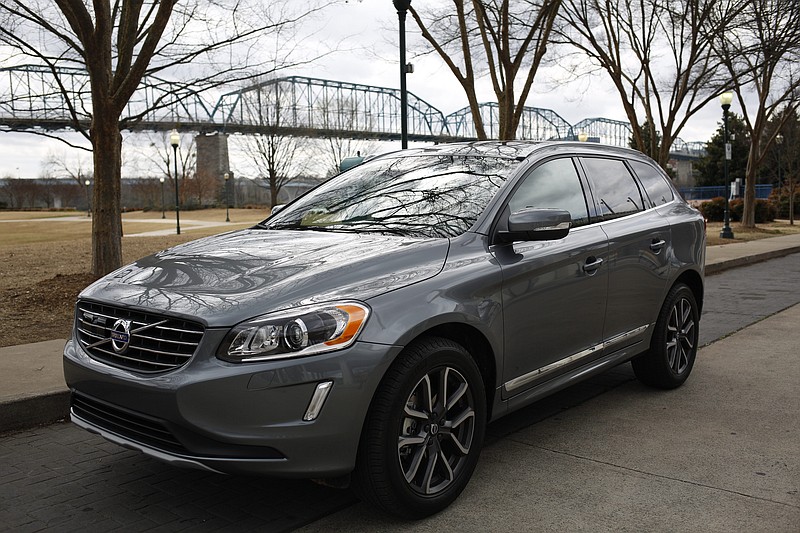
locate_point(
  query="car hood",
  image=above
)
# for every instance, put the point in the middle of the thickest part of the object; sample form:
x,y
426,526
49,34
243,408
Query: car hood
x,y
224,279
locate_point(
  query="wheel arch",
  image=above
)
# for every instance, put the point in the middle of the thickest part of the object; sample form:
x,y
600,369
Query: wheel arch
x,y
694,281
478,347
474,342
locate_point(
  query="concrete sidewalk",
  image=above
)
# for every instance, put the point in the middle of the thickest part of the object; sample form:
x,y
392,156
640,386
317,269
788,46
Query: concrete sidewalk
x,y
720,454
32,389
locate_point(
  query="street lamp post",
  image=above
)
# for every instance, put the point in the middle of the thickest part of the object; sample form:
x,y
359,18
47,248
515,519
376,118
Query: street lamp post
x,y
402,7
725,99
88,201
779,143
227,202
163,213
175,140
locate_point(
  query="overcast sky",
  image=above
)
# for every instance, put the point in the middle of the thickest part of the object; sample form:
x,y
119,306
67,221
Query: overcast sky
x,y
367,33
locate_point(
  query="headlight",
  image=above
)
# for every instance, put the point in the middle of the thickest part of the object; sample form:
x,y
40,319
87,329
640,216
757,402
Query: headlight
x,y
296,332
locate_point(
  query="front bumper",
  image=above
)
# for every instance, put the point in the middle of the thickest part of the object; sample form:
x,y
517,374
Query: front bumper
x,y
233,418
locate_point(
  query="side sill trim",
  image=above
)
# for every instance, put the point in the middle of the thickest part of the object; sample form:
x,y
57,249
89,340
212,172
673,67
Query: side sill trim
x,y
523,380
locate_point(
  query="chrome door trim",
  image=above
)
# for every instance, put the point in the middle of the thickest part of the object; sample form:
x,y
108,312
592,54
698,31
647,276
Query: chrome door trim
x,y
624,336
521,381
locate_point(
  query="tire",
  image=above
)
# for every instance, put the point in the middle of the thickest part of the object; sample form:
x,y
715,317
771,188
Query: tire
x,y
673,348
418,452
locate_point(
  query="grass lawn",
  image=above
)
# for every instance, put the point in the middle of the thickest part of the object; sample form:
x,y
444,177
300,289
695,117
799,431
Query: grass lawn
x,y
29,215
24,227
740,234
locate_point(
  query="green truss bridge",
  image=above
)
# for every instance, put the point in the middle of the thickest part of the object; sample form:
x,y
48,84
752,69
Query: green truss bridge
x,y
31,99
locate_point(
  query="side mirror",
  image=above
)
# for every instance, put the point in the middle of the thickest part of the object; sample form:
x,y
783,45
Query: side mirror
x,y
276,209
534,224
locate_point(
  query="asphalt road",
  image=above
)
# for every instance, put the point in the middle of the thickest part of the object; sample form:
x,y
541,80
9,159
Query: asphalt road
x,y
61,477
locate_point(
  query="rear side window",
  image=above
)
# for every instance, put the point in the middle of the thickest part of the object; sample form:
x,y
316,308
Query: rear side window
x,y
554,184
654,182
615,191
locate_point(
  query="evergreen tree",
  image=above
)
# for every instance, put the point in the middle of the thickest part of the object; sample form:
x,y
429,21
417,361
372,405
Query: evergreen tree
x,y
647,134
710,167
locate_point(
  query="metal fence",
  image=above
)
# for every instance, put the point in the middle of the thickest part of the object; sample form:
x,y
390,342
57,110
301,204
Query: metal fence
x,y
707,193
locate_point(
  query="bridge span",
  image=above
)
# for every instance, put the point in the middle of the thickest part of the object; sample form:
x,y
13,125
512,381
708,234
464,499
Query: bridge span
x,y
293,105
39,98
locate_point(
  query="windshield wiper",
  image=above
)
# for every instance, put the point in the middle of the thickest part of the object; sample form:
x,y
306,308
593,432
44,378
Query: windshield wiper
x,y
339,229
301,227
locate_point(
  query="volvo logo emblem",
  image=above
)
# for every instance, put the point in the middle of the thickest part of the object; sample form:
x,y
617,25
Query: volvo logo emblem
x,y
120,335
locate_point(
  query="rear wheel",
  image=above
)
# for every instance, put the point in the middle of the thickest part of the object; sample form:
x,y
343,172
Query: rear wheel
x,y
673,348
425,429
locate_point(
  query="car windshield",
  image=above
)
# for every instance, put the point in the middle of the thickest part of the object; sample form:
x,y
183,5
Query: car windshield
x,y
419,195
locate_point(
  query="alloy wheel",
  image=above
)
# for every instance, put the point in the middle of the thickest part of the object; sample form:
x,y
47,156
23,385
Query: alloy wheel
x,y
681,336
436,431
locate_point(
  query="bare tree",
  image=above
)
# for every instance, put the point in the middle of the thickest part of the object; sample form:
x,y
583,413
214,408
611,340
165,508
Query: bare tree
x,y
161,155
20,192
657,53
274,156
63,167
130,45
330,151
202,187
761,53
506,39
47,189
11,189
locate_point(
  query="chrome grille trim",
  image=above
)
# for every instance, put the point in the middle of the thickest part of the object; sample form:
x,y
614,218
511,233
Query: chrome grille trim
x,y
157,343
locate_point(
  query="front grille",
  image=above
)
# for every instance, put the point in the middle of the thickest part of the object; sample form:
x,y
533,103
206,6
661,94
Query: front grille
x,y
142,342
133,426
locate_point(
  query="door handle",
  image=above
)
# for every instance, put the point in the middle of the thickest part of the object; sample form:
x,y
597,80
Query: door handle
x,y
657,245
591,265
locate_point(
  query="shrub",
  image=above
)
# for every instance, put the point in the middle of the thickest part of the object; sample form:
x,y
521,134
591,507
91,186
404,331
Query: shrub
x,y
714,209
765,210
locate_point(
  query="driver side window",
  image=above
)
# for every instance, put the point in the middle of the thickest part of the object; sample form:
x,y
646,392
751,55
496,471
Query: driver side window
x,y
554,184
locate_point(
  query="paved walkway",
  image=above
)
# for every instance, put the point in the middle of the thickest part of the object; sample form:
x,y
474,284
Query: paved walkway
x,y
32,389
187,223
719,454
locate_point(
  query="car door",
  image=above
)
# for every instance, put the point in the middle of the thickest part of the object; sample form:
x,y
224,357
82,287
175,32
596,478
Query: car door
x,y
638,257
553,292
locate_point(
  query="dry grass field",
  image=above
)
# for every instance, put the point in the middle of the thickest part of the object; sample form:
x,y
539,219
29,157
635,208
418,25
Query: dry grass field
x,y
762,231
45,259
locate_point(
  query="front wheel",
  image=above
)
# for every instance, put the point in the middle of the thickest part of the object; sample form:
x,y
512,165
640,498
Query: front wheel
x,y
673,348
424,432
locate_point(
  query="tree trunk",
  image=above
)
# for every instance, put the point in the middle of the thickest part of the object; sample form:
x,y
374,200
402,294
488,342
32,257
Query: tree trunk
x,y
273,189
480,130
749,212
508,126
107,221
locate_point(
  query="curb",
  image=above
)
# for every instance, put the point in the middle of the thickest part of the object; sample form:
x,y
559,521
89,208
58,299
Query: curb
x,y
721,266
33,411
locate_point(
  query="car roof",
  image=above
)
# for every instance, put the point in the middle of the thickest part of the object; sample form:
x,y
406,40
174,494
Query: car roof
x,y
517,149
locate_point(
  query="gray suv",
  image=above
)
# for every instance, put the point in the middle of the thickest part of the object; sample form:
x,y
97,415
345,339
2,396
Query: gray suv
x,y
372,328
